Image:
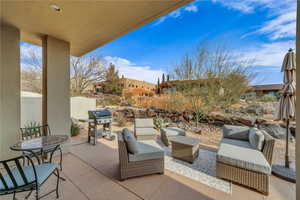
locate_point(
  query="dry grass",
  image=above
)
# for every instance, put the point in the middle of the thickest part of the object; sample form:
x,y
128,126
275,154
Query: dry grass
x,y
175,101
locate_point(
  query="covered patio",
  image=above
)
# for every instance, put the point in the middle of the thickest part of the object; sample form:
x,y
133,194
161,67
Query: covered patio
x,y
65,28
92,173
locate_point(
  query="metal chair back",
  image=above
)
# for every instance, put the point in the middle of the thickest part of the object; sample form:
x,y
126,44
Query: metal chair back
x,y
11,183
28,133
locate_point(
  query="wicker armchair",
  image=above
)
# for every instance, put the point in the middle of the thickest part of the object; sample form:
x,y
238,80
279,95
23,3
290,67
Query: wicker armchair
x,y
136,168
144,129
249,178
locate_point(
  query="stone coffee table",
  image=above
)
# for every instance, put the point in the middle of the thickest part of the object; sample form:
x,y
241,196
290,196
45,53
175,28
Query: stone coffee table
x,y
185,148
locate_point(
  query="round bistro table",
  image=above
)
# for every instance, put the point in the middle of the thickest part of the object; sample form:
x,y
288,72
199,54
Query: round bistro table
x,y
37,146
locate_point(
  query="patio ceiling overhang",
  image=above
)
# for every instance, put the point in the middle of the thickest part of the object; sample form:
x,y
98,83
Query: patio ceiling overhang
x,y
85,25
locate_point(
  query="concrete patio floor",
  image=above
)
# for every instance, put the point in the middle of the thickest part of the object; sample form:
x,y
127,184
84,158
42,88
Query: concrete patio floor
x,y
92,174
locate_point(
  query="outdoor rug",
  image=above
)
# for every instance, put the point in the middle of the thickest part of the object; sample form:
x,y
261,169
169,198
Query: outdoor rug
x,y
202,170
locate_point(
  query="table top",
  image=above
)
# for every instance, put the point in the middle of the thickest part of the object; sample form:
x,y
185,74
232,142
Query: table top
x,y
40,143
185,140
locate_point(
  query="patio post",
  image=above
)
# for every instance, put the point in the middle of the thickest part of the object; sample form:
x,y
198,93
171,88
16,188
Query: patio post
x,y
56,85
9,89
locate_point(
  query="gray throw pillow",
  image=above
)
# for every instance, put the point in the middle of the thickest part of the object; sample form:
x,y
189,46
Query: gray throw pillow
x,y
130,141
236,132
256,138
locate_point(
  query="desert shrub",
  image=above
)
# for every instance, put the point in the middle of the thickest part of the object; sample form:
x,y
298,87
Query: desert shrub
x,y
75,130
159,123
108,100
121,119
130,101
128,96
174,101
200,115
267,98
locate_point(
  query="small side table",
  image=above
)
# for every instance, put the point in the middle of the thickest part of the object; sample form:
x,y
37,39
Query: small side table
x,y
185,148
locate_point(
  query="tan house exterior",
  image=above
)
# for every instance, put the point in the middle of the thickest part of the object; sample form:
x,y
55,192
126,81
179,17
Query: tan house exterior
x,y
135,87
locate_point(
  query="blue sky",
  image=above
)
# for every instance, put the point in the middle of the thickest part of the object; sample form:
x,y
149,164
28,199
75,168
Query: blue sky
x,y
256,29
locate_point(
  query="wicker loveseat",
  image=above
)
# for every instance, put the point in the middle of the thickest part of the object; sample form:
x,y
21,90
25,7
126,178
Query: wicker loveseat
x,y
240,163
149,160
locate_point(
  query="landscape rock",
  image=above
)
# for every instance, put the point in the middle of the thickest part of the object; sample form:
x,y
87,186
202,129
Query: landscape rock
x,y
255,109
275,130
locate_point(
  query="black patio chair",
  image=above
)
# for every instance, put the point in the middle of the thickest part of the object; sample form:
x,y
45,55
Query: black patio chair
x,y
15,178
28,133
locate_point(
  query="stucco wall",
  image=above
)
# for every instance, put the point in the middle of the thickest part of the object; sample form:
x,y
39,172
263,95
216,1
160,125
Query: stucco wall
x,y
80,107
31,109
9,89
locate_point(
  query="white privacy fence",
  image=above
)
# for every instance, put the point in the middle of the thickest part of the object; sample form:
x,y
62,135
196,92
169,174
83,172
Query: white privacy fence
x,y
31,107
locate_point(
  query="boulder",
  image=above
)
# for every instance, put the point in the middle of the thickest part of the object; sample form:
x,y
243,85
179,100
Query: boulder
x,y
243,120
188,115
275,130
255,109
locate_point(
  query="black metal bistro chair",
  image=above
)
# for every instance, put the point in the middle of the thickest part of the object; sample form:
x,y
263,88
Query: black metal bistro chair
x,y
36,132
15,178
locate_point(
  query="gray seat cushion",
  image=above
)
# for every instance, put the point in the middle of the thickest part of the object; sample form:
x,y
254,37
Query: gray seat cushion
x,y
236,132
130,141
240,154
144,123
147,150
256,138
173,131
145,131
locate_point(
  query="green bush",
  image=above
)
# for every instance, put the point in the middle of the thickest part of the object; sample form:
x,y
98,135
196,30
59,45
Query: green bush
x,y
31,125
75,130
160,123
267,98
109,100
130,101
121,120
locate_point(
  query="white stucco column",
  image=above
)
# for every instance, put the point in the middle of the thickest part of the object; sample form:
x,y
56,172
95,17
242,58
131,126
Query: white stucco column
x,y
57,65
9,89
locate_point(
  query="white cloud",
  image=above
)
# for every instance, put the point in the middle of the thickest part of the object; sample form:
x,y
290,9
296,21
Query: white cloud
x,y
248,6
282,26
177,13
282,14
191,8
134,71
268,54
